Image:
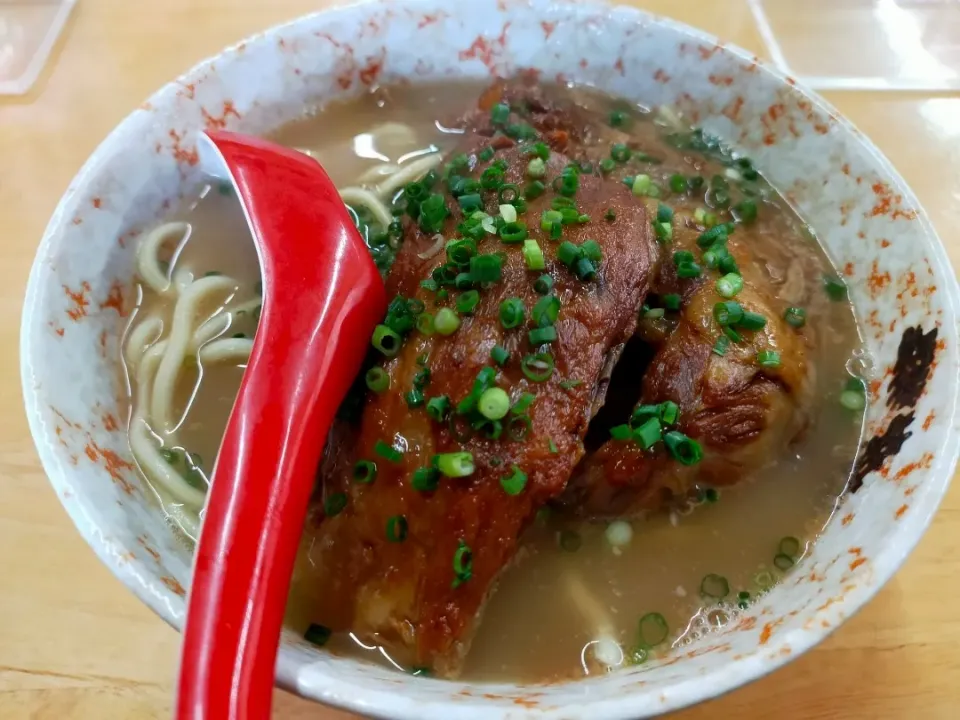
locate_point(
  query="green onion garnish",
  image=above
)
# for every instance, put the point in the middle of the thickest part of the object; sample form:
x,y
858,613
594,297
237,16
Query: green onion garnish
x,y
783,562
508,194
568,253
621,432
669,412
537,168
664,213
571,384
365,472
467,302
486,268
540,336
512,313
538,367
671,301
620,153
728,313
653,630
790,546
486,155
534,190
377,379
425,323
543,285
415,398
678,183
549,218
546,311
519,427
523,402
835,288
500,113
729,285
387,452
455,465
438,408
718,233
462,564
688,270
533,255
461,250
591,250
795,317
386,340
494,403
317,635
446,321
425,479
499,355
617,118
854,400
714,587
648,434
768,359
721,346
514,483
585,270
335,504
513,233
685,450
397,529
607,166
752,321
746,211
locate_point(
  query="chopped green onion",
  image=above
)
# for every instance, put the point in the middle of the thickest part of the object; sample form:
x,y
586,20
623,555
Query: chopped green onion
x,y
685,450
462,564
790,546
683,256
591,250
620,153
508,213
500,113
438,407
364,471
467,302
678,183
494,403
664,213
534,190
732,335
446,322
425,479
549,218
387,452
461,250
512,313
653,630
648,434
835,288
621,432
537,168
415,398
539,149
486,268
721,346
540,336
508,194
386,340
397,529
854,400
727,264
783,562
515,482
533,255
377,379
617,118
795,317
671,301
654,313
728,313
752,321
335,504
688,270
425,323
714,587
455,465
523,402
746,211
519,427
513,233
317,635
486,155
470,203
499,355
669,412
543,285
718,233
729,285
571,384
642,185
607,166
585,270
538,367
610,215
464,281
568,253
570,540
546,311
768,359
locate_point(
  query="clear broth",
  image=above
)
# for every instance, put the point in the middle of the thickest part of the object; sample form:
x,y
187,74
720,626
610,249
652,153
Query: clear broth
x,y
533,630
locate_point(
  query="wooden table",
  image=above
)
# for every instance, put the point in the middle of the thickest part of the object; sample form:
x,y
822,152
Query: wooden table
x,y
75,644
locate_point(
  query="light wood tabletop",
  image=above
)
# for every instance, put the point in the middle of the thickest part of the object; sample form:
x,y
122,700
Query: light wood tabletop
x,y
75,644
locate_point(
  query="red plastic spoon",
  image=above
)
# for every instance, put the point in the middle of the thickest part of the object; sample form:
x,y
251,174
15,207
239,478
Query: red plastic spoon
x,y
322,297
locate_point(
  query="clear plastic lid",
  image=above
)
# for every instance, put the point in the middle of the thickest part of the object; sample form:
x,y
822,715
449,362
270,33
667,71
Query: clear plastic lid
x,y
28,31
864,44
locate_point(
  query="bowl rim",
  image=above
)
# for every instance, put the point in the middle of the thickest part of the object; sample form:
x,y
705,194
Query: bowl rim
x,y
348,696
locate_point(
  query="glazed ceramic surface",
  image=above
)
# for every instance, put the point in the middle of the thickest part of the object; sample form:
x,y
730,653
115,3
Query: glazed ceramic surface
x,y
79,297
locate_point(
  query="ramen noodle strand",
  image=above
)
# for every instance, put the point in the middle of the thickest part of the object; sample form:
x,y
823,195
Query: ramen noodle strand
x,y
148,255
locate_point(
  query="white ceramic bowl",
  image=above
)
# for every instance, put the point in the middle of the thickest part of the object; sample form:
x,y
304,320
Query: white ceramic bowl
x,y
899,277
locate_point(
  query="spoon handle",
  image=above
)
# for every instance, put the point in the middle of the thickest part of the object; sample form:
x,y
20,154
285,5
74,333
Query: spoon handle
x,y
322,299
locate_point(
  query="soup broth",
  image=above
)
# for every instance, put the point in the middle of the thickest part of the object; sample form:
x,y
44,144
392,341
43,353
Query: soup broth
x,y
582,595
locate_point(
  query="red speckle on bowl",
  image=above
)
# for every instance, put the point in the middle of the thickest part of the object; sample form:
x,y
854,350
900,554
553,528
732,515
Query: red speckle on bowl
x,y
878,281
584,63
180,153
857,563
922,464
721,80
732,109
707,52
219,122
114,299
189,91
96,202
113,463
548,28
110,423
370,72
486,52
768,630
150,551
79,300
618,66
847,519
661,76
929,419
173,586
898,514
78,220
431,19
